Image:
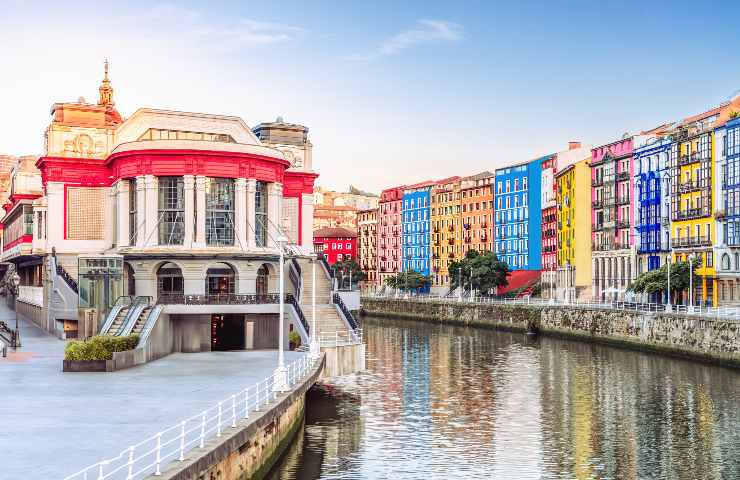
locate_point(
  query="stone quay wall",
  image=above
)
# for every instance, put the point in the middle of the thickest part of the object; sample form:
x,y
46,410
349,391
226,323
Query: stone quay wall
x,y
713,340
250,450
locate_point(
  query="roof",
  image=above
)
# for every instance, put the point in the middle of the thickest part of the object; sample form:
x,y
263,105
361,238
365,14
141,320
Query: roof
x,y
334,232
480,176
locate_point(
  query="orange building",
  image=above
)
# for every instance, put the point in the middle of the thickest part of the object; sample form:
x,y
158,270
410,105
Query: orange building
x,y
477,212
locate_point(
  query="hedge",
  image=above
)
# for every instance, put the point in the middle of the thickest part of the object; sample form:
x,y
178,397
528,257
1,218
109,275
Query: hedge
x,y
99,347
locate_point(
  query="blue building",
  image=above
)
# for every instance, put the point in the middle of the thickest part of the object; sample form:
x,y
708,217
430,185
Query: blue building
x,y
416,229
727,214
517,215
652,210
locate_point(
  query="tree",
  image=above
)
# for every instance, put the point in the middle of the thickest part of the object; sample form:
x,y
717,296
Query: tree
x,y
656,281
343,269
409,280
483,271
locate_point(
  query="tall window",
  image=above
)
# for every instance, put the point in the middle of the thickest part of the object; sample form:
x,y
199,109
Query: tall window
x,y
260,214
132,225
220,211
171,211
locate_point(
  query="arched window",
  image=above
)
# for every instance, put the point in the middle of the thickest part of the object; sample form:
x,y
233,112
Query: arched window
x,y
169,280
220,280
737,261
263,275
725,261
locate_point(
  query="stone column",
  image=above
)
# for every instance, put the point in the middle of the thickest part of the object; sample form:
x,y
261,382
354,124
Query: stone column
x,y
306,239
188,189
200,211
240,213
122,199
274,209
140,211
152,210
250,213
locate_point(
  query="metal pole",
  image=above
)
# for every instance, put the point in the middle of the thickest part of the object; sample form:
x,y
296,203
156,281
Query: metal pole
x,y
281,373
668,303
691,283
315,347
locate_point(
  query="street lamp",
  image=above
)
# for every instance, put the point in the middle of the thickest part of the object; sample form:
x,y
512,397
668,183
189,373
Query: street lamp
x,y
691,284
15,280
667,181
315,347
281,373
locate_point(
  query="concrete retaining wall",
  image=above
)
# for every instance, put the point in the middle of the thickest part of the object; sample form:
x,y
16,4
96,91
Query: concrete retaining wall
x,y
713,340
344,360
251,449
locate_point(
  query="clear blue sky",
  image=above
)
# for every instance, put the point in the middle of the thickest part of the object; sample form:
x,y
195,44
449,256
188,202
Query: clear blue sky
x,y
393,92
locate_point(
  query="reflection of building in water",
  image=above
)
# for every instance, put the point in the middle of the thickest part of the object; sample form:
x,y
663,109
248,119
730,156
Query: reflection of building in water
x,y
416,400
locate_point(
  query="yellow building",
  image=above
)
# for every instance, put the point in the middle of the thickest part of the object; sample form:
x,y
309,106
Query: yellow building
x,y
446,222
574,231
692,205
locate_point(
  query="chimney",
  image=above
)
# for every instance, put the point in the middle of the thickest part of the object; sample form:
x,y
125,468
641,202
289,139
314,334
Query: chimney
x,y
574,145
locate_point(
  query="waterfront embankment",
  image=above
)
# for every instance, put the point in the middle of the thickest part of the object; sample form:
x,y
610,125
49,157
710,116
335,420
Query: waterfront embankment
x,y
714,340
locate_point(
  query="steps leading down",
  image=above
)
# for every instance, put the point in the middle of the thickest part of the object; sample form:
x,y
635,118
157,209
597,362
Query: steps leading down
x,y
328,321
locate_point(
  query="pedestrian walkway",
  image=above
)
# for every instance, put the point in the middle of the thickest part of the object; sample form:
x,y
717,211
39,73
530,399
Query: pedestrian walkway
x,y
53,424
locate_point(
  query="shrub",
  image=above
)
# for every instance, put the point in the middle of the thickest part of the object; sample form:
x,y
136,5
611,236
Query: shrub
x,y
294,337
99,347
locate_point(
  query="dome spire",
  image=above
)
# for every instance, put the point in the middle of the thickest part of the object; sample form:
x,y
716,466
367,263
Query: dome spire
x,y
106,91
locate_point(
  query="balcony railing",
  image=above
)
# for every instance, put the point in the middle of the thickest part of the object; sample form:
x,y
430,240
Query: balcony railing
x,y
219,299
597,182
688,242
623,200
623,224
691,213
623,176
597,203
690,186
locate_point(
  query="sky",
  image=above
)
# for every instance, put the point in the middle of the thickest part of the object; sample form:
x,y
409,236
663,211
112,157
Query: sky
x,y
392,92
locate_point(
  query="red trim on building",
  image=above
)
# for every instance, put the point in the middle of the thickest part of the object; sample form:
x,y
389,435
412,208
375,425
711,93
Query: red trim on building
x,y
22,239
81,171
297,183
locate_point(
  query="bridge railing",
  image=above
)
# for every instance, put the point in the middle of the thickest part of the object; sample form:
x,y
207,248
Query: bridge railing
x,y
152,454
723,312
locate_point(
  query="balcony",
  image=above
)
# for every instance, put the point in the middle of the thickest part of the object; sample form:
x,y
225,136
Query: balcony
x,y
695,157
597,182
623,176
598,203
690,186
219,299
690,242
623,200
623,224
691,213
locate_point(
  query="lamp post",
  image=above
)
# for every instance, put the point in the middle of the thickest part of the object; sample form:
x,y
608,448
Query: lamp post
x,y
668,299
281,373
691,284
315,347
667,181
15,280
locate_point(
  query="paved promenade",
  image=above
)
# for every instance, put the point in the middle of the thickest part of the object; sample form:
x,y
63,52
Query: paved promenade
x,y
53,424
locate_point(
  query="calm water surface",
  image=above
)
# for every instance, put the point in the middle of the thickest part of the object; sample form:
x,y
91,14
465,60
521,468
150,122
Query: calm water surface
x,y
448,402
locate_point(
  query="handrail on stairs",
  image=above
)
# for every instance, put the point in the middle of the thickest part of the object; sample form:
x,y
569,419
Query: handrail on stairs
x,y
121,302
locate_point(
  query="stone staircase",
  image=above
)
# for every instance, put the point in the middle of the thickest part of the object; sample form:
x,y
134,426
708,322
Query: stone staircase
x,y
328,320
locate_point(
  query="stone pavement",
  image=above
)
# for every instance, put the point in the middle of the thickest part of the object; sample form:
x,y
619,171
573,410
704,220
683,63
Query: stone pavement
x,y
53,424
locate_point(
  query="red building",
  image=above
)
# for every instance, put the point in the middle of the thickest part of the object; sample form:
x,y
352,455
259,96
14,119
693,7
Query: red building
x,y
336,244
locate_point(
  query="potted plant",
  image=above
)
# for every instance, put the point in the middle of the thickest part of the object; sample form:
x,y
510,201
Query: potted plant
x,y
294,340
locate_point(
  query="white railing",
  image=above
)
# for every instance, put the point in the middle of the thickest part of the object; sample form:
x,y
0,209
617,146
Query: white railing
x,y
727,313
150,455
32,295
340,338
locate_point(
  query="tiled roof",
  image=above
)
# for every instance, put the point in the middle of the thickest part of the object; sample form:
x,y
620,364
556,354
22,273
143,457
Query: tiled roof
x,y
334,232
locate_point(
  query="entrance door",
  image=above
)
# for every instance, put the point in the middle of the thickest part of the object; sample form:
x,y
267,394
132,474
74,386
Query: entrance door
x,y
227,332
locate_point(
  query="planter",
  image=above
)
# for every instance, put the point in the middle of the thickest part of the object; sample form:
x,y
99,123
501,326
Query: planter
x,y
87,365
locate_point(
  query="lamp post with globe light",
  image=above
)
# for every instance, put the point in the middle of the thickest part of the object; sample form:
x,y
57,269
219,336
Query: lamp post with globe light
x,y
281,373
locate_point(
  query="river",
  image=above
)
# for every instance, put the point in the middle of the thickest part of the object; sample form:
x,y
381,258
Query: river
x,y
440,402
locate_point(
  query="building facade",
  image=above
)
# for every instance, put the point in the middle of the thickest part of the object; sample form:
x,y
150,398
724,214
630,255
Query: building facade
x,y
416,228
652,203
446,225
612,199
727,245
367,221
389,232
335,244
477,212
165,208
574,225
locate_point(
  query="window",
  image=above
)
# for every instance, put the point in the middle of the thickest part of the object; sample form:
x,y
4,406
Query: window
x,y
260,214
171,211
220,211
159,134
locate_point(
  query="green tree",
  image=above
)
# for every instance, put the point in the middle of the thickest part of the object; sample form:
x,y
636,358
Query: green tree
x,y
656,281
409,280
483,271
343,269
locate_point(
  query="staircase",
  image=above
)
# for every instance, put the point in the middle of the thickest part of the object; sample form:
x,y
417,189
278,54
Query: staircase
x,y
328,320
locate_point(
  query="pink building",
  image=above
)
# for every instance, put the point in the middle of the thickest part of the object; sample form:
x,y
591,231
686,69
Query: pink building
x,y
389,233
612,220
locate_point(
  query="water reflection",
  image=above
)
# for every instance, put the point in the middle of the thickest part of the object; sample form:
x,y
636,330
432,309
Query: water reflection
x,y
441,402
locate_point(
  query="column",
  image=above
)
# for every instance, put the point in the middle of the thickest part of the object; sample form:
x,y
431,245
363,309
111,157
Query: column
x,y
140,211
251,188
240,214
306,239
274,197
188,188
200,211
152,210
122,199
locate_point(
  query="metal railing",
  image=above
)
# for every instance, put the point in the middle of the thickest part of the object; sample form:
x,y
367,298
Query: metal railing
x,y
217,299
71,282
723,312
337,299
150,455
301,317
340,338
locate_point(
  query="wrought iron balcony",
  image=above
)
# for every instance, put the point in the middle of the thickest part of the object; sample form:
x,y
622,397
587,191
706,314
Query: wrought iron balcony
x,y
597,182
623,200
219,299
598,203
623,176
690,186
623,224
689,242
691,213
